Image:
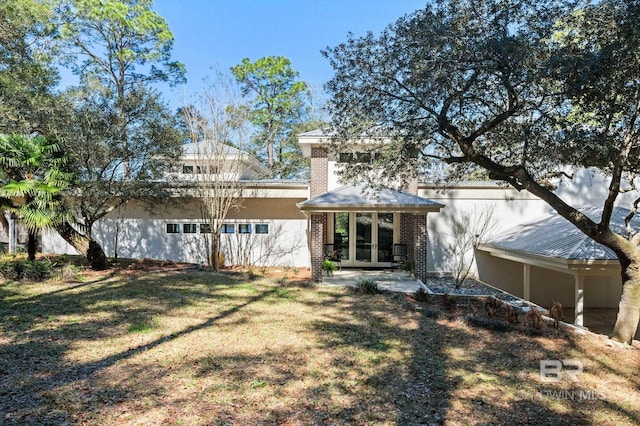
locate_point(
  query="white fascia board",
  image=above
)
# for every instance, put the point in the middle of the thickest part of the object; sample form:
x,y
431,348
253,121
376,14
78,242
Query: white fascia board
x,y
569,266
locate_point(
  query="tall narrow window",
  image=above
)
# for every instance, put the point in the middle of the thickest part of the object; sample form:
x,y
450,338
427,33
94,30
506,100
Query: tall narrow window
x,y
341,234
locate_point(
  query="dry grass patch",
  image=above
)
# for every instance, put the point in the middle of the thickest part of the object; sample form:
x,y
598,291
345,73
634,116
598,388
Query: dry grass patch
x,y
195,347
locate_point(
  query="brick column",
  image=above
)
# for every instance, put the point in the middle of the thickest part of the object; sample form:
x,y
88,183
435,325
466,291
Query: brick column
x,y
421,246
319,185
318,225
319,172
407,228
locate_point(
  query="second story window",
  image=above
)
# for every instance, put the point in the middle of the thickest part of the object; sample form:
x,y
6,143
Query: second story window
x,y
357,157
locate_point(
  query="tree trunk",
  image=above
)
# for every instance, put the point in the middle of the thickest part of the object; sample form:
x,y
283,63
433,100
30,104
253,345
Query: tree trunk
x,y
215,244
88,247
32,245
629,308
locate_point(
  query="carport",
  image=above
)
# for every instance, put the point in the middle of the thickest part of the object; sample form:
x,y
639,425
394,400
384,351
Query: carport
x,y
554,245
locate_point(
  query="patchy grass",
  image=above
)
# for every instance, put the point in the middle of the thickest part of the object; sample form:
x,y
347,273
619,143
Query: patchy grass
x,y
140,346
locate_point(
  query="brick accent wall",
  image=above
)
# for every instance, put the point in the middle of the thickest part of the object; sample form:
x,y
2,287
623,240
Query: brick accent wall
x,y
421,246
318,227
407,229
319,172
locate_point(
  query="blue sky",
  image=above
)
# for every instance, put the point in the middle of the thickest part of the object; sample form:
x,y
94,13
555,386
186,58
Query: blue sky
x,y
220,33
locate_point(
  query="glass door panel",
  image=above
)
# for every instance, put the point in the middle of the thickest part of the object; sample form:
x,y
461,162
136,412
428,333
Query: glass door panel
x,y
385,237
341,234
363,237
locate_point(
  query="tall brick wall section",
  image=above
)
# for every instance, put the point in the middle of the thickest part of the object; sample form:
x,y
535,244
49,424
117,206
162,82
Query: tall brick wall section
x,y
319,185
421,246
319,172
407,222
407,229
318,226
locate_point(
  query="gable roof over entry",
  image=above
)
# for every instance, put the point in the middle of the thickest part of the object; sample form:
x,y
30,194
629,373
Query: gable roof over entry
x,y
355,198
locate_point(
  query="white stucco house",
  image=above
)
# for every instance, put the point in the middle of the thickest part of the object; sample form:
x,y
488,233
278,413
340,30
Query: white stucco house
x,y
529,252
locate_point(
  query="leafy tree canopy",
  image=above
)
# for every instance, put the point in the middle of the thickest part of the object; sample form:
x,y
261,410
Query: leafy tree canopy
x,y
27,73
526,90
279,102
123,42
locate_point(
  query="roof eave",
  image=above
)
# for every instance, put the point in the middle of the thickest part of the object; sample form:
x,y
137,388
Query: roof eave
x,y
326,208
555,263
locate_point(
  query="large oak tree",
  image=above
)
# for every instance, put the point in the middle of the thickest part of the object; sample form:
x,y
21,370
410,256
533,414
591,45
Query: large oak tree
x,y
526,90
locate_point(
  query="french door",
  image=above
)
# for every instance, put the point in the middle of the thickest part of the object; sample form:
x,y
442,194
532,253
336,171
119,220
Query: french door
x,y
364,239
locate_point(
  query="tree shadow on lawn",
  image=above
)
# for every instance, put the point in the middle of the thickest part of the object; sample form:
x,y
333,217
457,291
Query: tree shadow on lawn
x,y
451,372
38,332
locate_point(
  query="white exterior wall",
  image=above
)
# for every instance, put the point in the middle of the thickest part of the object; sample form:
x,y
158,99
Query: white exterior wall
x,y
284,245
510,208
600,291
52,243
140,238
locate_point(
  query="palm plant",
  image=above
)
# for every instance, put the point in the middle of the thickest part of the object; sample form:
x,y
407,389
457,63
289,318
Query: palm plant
x,y
33,176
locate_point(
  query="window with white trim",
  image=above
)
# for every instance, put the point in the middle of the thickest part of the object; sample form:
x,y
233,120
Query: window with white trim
x,y
262,228
173,228
189,228
228,228
244,228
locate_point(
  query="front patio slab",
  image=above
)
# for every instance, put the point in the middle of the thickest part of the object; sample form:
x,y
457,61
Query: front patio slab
x,y
387,279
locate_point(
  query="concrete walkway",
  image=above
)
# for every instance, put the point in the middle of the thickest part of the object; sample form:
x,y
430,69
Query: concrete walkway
x,y
391,280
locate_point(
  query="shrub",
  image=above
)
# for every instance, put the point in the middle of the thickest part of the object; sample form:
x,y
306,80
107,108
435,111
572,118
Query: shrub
x,y
37,270
11,270
409,267
70,272
488,323
431,313
366,286
449,302
329,266
421,295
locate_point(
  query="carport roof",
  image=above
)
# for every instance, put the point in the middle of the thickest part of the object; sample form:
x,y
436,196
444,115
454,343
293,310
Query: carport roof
x,y
555,237
356,198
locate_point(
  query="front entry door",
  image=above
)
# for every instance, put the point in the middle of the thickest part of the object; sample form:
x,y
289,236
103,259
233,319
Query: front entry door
x,y
365,239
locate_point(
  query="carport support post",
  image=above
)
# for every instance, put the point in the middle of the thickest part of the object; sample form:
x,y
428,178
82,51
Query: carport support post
x,y
579,305
526,282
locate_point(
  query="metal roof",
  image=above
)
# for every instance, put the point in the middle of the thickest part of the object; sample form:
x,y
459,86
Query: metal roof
x,y
352,197
554,236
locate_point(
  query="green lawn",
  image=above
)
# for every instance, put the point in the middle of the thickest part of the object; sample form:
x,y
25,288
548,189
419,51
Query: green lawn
x,y
195,347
